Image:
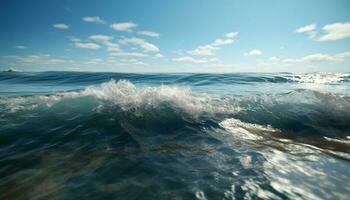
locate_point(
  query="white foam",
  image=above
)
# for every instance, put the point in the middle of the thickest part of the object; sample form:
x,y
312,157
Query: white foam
x,y
127,96
318,78
200,195
345,141
245,130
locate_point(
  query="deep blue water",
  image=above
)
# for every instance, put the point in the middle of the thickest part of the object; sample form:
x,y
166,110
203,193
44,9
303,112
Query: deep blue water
x,y
76,135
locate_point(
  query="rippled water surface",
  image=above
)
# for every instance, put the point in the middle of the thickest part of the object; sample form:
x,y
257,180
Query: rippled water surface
x,y
75,135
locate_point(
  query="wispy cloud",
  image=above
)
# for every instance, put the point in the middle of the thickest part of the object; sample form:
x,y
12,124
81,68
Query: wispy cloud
x,y
159,55
20,47
133,61
336,31
195,60
254,52
112,62
308,29
205,50
61,26
87,45
95,61
313,58
211,49
319,58
107,41
37,59
125,26
94,19
146,46
149,33
115,50
101,38
327,58
128,54
231,34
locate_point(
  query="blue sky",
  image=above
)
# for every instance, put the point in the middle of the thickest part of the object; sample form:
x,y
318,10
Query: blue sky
x,y
175,36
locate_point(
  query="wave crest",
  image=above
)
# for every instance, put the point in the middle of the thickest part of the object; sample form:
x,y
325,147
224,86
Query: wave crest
x,y
246,130
128,97
319,78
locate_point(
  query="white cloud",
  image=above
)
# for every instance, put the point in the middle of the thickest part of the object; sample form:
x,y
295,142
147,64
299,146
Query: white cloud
x,y
254,52
219,42
146,46
112,47
308,29
231,34
149,33
273,59
106,40
101,38
133,61
128,54
94,19
194,60
336,31
37,59
343,56
61,26
158,55
206,50
88,45
211,49
95,61
319,58
112,62
126,26
313,58
340,57
20,47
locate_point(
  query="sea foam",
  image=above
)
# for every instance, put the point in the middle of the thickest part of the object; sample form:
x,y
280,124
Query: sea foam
x,y
319,78
246,130
127,96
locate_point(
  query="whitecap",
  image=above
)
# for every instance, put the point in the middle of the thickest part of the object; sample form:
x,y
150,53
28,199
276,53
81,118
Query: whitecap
x,y
246,130
127,96
319,78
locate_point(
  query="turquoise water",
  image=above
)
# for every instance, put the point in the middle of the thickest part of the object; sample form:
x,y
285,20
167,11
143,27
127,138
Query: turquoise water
x,y
75,135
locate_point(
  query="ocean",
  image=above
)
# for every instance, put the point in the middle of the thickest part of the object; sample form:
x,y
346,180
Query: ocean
x,y
87,135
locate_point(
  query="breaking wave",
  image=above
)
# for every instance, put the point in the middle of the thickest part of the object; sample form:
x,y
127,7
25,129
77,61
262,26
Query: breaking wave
x,y
300,113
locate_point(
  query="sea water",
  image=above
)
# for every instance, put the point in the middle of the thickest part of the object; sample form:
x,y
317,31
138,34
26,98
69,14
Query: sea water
x,y
80,135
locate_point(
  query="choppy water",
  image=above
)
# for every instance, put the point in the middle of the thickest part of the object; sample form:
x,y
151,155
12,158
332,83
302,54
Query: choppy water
x,y
72,135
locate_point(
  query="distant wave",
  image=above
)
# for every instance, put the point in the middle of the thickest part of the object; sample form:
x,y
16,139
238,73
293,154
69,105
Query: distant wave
x,y
319,78
186,79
